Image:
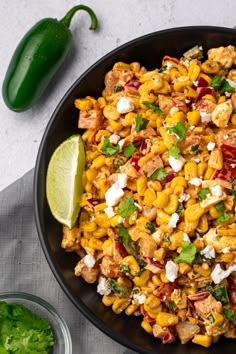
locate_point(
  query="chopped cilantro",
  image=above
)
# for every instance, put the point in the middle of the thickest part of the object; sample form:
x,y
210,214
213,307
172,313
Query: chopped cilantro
x,y
126,207
129,150
179,129
154,107
211,318
194,148
162,69
141,123
234,187
124,234
150,227
221,85
216,82
159,174
221,295
109,149
209,287
202,195
226,87
120,290
174,151
220,207
171,305
229,315
117,88
224,216
188,253
135,291
141,262
167,239
117,162
179,208
125,268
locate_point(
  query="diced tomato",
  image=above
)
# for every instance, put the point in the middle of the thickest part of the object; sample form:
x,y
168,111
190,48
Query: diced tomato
x,y
150,260
229,151
228,172
164,291
121,248
146,316
134,160
232,289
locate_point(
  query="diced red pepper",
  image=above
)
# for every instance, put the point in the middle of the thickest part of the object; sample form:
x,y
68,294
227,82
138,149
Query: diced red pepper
x,y
134,160
133,84
146,316
121,248
201,295
229,151
228,172
232,289
164,291
167,58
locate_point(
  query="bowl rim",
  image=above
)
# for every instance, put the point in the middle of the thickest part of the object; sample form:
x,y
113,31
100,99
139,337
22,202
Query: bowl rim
x,y
44,243
46,306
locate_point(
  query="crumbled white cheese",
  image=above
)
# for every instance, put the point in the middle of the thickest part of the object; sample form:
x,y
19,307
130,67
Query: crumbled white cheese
x,y
195,181
173,110
216,191
195,159
227,94
137,205
121,143
208,252
114,138
225,136
125,105
173,220
140,298
109,212
186,237
187,101
226,250
103,288
233,165
113,195
89,261
171,271
211,146
157,236
122,180
137,313
168,65
120,220
192,127
205,117
232,83
184,198
195,83
177,165
219,274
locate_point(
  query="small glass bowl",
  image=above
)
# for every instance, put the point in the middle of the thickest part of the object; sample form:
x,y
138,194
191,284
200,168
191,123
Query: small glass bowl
x,y
40,307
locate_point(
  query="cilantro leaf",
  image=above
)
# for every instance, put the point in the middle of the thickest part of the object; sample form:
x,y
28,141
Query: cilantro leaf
x,y
202,195
159,174
211,318
220,207
221,85
124,234
223,218
129,150
188,253
117,88
154,107
162,69
109,149
216,82
167,239
220,294
141,123
179,208
171,305
118,289
229,315
179,129
194,148
125,268
174,151
126,207
150,227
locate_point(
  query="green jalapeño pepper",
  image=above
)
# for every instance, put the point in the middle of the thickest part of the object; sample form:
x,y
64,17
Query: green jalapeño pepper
x,y
37,58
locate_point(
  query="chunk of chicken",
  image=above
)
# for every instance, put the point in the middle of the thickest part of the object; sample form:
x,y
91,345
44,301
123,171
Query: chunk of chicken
x,y
147,246
166,103
205,105
211,199
221,114
219,239
186,331
117,77
109,267
70,241
224,55
91,119
226,137
151,165
90,275
206,306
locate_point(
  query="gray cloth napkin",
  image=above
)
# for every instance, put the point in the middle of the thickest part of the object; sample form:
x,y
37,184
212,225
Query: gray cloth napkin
x,y
23,267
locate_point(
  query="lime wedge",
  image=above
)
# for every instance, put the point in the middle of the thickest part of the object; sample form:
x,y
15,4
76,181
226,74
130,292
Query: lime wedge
x,y
64,180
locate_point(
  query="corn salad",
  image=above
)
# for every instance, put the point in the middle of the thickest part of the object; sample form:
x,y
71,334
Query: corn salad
x,y
157,227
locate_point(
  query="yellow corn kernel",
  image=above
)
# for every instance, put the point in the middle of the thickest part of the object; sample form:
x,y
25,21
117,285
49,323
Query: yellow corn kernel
x,y
193,118
194,212
120,65
115,220
200,270
135,66
89,187
178,181
101,102
226,257
209,173
102,220
141,185
164,89
83,104
168,139
159,254
152,312
190,170
103,186
132,263
95,244
91,155
181,83
110,112
172,205
120,305
133,218
206,77
221,99
108,300
156,280
88,226
209,97
176,240
190,92
155,185
202,339
145,158
107,248
165,319
216,159
131,309
184,268
210,67
233,118
100,134
130,118
201,168
178,117
99,233
164,278
115,126
143,279
99,161
91,173
162,218
152,301
162,200
100,207
191,291
193,71
149,197
146,326
124,282
141,223
158,147
132,185
203,224
179,190
87,234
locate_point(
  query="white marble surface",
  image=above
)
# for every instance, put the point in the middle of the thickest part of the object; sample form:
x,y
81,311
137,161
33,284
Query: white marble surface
x,y
119,22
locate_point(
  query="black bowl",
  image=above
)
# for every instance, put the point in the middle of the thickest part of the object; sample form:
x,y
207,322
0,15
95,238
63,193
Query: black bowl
x,y
148,50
